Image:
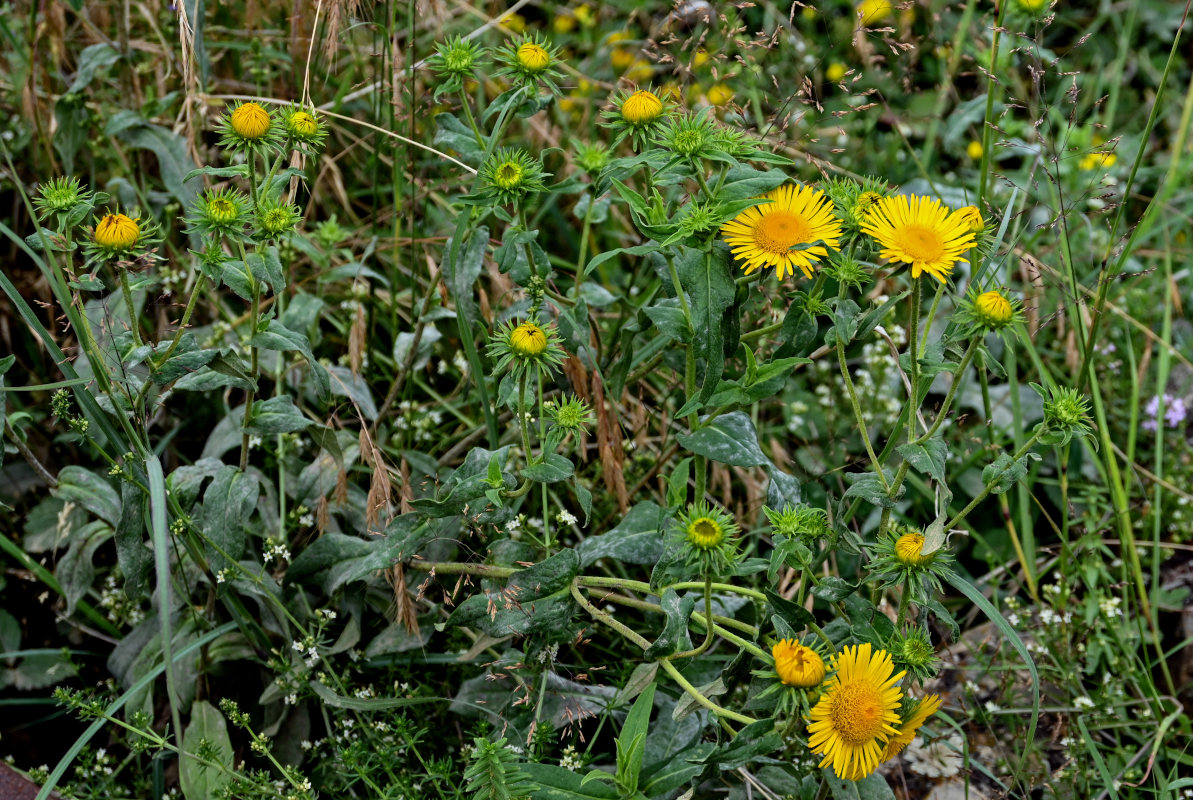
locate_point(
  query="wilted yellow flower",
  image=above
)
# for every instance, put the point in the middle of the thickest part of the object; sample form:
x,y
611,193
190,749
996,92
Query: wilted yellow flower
x,y
251,121
117,232
533,57
907,731
528,340
798,665
720,94
641,108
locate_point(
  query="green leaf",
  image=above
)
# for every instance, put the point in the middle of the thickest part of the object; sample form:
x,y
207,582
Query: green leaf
x,y
236,276
554,469
224,517
636,539
186,359
277,415
463,272
791,612
535,599
134,557
631,740
929,457
96,494
550,782
871,787
705,278
743,182
5,365
278,337
91,60
171,150
1004,473
755,740
833,589
267,268
677,611
76,570
729,439
869,487
669,319
201,781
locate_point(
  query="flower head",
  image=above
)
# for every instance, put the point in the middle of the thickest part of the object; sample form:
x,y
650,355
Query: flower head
x,y
510,174
220,212
797,664
304,128
795,229
872,12
973,216
908,547
531,60
533,57
804,522
62,196
690,135
974,150
857,713
251,121
592,158
709,536
919,231
641,108
835,71
914,717
899,560
249,127
276,218
912,650
1066,413
526,347
572,415
117,232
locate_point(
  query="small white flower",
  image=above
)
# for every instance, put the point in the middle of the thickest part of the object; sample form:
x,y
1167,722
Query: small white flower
x,y
992,707
1083,702
565,517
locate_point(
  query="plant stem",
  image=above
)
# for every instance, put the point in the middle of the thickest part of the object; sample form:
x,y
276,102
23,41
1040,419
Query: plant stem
x,y
982,495
708,634
127,291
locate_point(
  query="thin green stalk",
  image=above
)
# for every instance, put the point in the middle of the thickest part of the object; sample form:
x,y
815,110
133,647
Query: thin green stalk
x,y
127,291
982,495
703,701
708,635
913,333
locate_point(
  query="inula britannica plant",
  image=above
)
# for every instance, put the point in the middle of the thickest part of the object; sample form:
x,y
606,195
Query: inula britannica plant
x,y
596,401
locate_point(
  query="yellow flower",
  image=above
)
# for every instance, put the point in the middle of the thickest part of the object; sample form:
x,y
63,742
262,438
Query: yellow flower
x,y
921,232
1032,6
528,340
117,232
807,12
302,124
764,235
641,108
533,57
973,217
857,713
251,121
705,532
1092,161
585,15
835,72
563,23
720,95
994,309
699,58
907,550
974,150
907,731
874,11
798,665
515,22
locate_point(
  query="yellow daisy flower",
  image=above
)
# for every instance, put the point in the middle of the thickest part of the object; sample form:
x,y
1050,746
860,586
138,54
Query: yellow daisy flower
x,y
907,731
907,550
641,108
797,664
858,712
919,231
763,235
251,121
117,232
528,339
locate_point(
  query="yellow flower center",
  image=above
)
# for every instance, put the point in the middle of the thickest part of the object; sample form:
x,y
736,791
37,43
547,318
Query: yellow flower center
x,y
994,309
221,209
920,243
779,230
117,231
907,550
857,712
251,121
528,340
303,124
705,533
533,57
641,108
508,175
797,665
